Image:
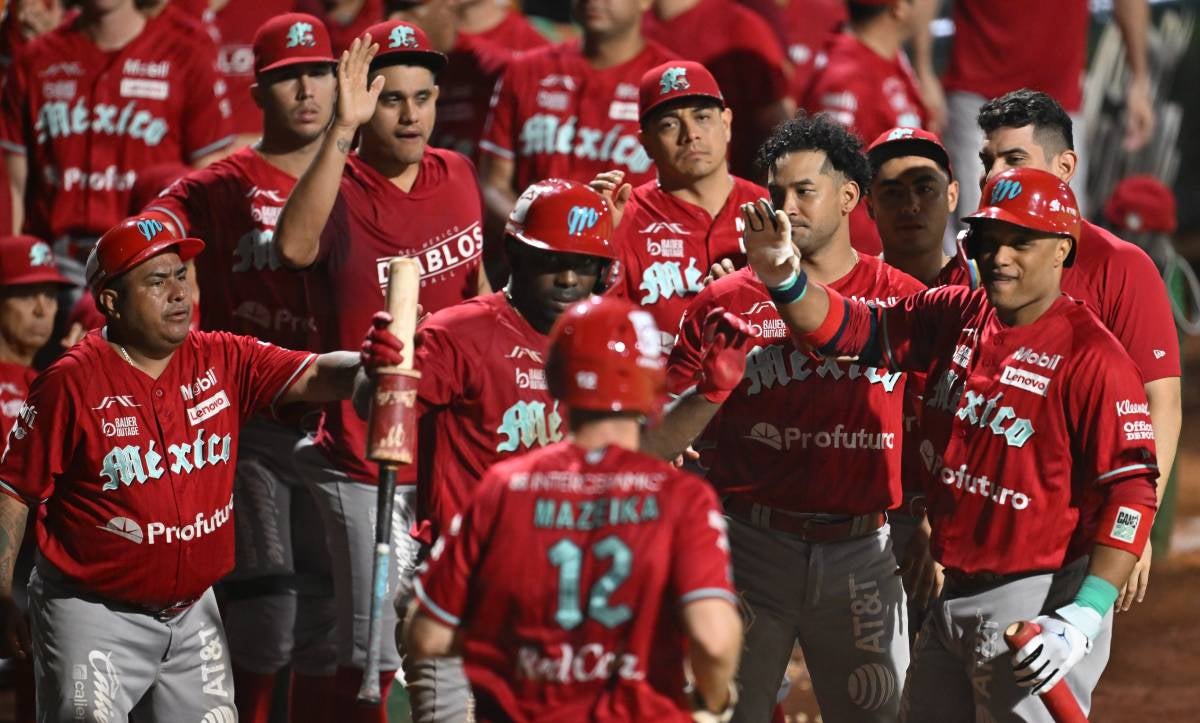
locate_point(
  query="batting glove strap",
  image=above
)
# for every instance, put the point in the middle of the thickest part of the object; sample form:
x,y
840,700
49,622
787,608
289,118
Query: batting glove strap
x,y
1085,619
1042,662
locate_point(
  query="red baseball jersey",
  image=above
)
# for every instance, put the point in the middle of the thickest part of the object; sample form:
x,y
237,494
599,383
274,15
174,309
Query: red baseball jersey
x,y
482,398
1046,50
342,33
555,116
667,246
583,623
438,222
514,32
237,23
14,387
233,205
465,89
136,474
89,120
742,52
1121,285
1021,426
809,26
778,439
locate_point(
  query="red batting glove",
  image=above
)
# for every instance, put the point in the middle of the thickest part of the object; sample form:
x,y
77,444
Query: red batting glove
x,y
725,337
381,348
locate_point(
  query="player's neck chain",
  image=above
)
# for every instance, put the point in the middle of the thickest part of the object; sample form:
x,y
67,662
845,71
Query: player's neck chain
x,y
125,355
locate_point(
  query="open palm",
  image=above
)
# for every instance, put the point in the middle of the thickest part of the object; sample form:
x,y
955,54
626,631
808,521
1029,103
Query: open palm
x,y
356,99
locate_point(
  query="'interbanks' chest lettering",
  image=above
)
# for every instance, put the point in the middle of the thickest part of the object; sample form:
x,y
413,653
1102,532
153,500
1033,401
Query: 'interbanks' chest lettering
x,y
775,365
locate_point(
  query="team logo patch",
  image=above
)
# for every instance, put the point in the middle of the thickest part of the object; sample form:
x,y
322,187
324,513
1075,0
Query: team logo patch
x,y
900,133
581,218
1126,525
208,408
149,228
1005,190
1025,379
300,34
402,36
124,527
121,400
767,434
673,79
41,255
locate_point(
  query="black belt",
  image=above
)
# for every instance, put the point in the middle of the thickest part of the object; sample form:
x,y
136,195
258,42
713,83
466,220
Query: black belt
x,y
963,584
168,613
812,528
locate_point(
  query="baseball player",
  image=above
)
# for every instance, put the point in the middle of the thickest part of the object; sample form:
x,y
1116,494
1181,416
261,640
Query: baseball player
x,y
1037,441
128,441
676,227
29,282
997,47
743,53
348,216
93,101
624,572
805,483
571,110
498,22
279,602
346,20
867,83
808,27
1116,279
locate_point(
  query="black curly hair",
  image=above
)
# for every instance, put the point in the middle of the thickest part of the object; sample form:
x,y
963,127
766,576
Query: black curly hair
x,y
1052,127
843,150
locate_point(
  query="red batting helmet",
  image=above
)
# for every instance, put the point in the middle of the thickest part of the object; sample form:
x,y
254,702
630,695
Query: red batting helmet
x,y
1032,199
606,356
564,217
132,242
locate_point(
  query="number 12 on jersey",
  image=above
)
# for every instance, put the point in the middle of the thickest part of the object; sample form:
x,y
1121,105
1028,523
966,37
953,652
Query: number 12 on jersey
x,y
568,558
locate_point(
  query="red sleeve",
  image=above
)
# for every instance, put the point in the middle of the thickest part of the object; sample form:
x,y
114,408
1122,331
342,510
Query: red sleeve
x,y
498,130
42,439
13,104
207,116
683,368
1111,435
1139,314
187,204
264,371
700,566
443,589
334,235
846,102
441,364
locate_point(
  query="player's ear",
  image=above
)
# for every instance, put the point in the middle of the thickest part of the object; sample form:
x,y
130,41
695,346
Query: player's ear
x,y
727,120
256,94
870,205
851,194
1065,164
106,301
952,196
1062,250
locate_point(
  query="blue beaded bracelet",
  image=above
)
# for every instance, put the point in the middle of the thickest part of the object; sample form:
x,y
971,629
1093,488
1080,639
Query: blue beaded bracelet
x,y
791,291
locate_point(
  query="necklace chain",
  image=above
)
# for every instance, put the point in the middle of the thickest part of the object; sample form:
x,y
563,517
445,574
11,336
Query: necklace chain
x,y
125,355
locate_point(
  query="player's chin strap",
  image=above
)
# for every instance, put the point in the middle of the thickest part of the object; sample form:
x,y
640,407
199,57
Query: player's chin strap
x,y
701,713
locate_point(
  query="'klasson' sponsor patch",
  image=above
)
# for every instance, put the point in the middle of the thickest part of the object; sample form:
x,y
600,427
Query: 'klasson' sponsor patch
x,y
1125,526
208,408
1025,379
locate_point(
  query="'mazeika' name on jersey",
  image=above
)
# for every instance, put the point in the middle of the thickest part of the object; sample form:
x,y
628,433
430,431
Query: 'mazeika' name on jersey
x,y
595,513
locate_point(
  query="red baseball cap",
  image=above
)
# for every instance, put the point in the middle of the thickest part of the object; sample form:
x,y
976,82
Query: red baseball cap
x,y
133,241
28,260
402,43
1139,204
291,39
904,141
674,80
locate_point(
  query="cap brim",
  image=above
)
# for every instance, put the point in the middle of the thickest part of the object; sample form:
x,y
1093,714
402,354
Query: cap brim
x,y
302,60
430,59
885,152
49,276
676,99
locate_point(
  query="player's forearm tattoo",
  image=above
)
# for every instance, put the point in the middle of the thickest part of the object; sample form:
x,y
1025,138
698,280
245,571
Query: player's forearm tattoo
x,y
343,145
12,530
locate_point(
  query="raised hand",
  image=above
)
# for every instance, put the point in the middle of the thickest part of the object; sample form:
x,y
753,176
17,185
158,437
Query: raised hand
x,y
609,184
769,248
725,337
356,99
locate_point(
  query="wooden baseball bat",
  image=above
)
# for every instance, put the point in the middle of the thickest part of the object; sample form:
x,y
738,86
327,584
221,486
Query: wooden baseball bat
x,y
1059,700
391,432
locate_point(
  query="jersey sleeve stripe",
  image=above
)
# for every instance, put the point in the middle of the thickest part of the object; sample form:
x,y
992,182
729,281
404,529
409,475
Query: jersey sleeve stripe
x,y
14,148
292,379
180,226
496,150
434,608
705,593
1119,471
12,492
215,145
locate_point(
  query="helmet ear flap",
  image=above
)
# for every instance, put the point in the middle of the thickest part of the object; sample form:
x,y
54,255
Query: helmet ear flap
x,y
970,242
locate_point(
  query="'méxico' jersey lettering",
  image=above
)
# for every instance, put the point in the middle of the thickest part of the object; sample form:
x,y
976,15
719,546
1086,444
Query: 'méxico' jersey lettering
x,y
767,366
665,279
59,119
545,134
527,424
129,464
